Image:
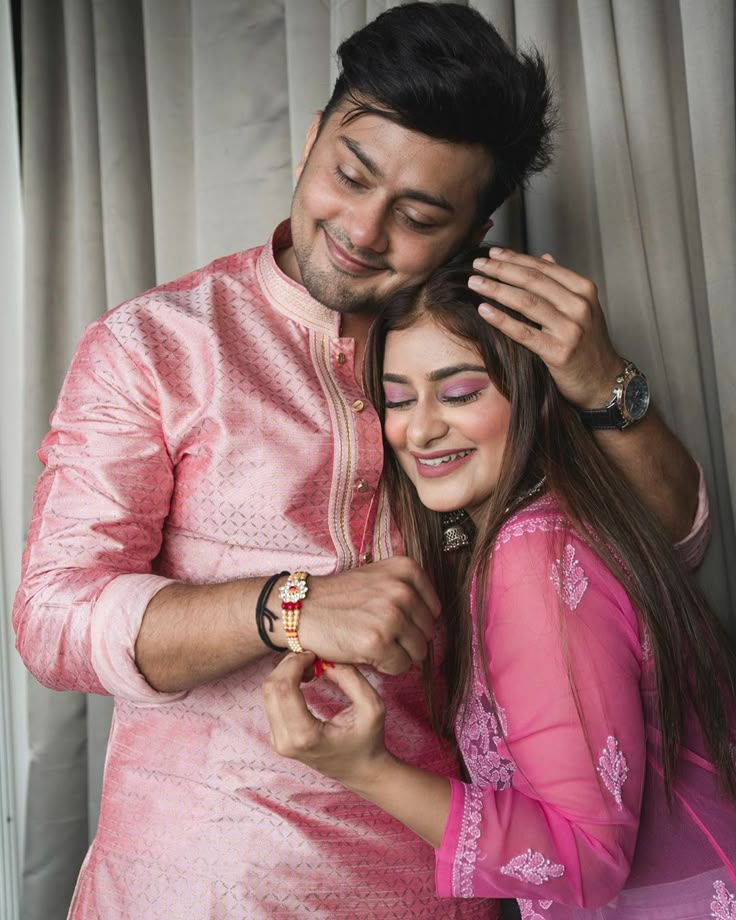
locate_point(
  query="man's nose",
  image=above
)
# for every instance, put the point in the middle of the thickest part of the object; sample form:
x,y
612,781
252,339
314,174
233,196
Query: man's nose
x,y
365,226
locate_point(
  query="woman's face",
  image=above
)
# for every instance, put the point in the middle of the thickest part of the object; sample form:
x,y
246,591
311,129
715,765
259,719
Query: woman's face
x,y
445,421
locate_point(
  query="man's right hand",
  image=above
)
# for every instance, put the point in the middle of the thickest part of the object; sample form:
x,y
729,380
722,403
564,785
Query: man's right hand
x,y
382,615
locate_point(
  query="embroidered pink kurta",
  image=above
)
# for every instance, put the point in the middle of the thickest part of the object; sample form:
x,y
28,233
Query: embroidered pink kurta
x,y
576,825
207,430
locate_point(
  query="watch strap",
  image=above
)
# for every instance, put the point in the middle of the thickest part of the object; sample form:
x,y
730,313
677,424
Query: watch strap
x,y
609,417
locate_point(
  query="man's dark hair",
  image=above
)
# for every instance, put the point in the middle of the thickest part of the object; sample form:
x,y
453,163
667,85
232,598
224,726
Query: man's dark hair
x,y
442,69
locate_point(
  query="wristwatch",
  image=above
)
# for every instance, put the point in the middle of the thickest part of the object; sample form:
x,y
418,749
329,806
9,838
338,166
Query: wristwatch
x,y
629,402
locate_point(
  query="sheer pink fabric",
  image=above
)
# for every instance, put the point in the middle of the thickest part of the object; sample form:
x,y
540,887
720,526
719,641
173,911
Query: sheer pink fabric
x,y
573,822
207,430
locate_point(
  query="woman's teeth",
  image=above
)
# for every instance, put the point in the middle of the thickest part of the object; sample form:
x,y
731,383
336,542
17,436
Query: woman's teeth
x,y
438,461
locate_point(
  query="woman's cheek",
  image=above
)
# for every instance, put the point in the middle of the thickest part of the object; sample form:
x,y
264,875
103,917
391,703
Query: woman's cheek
x,y
393,430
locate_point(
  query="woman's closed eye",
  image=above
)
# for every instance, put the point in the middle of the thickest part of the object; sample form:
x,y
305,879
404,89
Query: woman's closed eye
x,y
396,397
463,392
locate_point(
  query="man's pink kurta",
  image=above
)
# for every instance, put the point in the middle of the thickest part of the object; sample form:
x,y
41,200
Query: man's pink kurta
x,y
572,822
207,430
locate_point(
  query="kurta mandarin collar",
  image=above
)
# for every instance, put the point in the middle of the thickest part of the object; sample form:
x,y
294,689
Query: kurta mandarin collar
x,y
288,296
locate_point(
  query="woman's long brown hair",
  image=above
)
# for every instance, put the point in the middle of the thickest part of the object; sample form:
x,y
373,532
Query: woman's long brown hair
x,y
694,658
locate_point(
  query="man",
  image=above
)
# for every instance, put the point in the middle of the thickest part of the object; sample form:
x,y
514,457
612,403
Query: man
x,y
214,432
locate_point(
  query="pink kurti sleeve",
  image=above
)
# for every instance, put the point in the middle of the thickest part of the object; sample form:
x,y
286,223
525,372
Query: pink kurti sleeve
x,y
552,808
95,528
692,548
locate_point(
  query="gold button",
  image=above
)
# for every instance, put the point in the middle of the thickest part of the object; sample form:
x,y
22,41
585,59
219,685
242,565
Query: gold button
x,y
367,558
358,405
361,485
341,359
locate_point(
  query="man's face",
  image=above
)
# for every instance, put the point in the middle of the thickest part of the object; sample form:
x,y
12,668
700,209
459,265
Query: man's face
x,y
377,207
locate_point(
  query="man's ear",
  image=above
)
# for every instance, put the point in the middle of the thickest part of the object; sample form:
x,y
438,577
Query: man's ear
x,y
308,144
481,232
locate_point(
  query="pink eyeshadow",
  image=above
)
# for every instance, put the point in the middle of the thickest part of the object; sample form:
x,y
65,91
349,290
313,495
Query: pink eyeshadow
x,y
464,387
395,393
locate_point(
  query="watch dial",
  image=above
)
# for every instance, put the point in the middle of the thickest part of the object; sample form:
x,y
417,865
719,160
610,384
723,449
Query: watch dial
x,y
636,397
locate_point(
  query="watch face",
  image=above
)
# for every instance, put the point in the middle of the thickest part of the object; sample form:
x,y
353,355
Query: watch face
x,y
636,397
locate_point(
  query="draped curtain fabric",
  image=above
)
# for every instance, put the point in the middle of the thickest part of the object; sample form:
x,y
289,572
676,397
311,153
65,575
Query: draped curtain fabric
x,y
159,134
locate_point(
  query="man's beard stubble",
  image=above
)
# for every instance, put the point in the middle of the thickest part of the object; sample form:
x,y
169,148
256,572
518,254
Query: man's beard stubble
x,y
325,287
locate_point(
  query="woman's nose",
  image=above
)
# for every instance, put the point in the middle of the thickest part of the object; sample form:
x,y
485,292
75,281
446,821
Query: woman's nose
x,y
425,425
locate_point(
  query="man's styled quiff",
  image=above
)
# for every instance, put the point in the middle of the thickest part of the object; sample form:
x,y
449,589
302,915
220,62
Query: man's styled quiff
x,y
442,69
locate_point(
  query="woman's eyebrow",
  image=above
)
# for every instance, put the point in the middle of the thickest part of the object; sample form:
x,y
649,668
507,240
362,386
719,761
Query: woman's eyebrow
x,y
440,374
444,372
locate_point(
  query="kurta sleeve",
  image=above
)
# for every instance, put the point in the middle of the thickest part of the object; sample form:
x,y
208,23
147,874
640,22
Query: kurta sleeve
x,y
96,526
552,808
692,548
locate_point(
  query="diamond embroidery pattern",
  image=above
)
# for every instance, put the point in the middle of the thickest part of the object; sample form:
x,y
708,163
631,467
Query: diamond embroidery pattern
x,y
613,769
568,577
532,867
723,905
226,424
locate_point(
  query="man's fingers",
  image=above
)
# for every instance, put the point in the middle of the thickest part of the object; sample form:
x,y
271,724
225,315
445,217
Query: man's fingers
x,y
546,265
526,335
421,583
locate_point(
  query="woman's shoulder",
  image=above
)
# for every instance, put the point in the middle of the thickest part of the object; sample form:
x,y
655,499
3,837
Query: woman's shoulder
x,y
542,515
540,545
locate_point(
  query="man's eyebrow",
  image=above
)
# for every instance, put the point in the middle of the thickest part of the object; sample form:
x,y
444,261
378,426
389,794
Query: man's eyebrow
x,y
435,201
355,148
440,374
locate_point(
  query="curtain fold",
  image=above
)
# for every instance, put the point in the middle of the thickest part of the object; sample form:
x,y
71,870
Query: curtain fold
x,y
160,134
13,715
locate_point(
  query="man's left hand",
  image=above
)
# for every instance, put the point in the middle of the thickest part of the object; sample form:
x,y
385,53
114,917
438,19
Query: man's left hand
x,y
572,338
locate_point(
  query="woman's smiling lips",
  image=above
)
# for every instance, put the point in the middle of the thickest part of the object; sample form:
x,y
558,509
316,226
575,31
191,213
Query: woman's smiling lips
x,y
441,463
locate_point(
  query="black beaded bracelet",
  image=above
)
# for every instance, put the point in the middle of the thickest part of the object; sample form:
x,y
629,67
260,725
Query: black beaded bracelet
x,y
263,613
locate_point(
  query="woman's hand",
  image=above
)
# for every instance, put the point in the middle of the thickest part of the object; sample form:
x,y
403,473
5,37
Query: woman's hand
x,y
571,335
349,747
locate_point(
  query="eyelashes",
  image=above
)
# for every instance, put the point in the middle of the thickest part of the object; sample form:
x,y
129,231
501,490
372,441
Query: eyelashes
x,y
448,399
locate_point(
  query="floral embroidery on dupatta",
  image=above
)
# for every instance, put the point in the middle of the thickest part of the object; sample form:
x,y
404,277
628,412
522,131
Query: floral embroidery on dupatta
x,y
568,577
723,905
646,646
613,769
528,911
532,867
479,734
467,850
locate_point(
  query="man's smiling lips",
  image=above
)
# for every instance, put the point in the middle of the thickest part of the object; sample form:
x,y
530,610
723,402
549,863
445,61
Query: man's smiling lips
x,y
441,463
344,261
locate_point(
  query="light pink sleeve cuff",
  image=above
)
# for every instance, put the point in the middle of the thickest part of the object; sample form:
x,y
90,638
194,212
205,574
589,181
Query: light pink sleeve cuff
x,y
445,855
692,549
116,620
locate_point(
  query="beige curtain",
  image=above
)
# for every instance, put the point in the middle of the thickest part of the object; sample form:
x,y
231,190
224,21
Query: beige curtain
x,y
158,134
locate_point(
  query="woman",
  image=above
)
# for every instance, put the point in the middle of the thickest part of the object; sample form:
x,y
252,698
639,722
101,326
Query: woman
x,y
591,693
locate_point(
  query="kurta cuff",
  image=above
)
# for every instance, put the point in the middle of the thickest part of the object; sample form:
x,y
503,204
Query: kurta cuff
x,y
445,855
116,621
692,549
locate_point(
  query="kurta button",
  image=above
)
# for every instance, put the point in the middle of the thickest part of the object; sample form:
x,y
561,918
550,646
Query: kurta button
x,y
367,558
358,405
341,359
361,486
